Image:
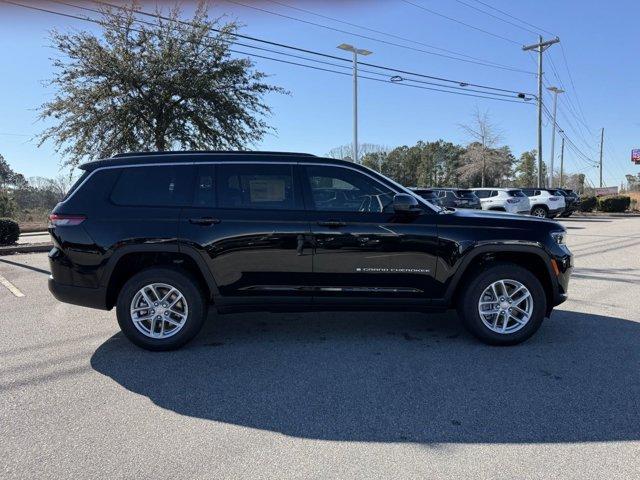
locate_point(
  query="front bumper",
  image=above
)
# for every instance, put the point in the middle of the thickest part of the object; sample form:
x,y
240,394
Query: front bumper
x,y
83,296
556,212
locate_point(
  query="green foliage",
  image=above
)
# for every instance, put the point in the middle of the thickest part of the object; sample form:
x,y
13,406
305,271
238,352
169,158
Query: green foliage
x,y
616,203
9,231
169,85
587,203
526,170
7,205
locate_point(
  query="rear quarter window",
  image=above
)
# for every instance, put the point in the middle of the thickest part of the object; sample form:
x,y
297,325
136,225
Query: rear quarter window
x,y
155,186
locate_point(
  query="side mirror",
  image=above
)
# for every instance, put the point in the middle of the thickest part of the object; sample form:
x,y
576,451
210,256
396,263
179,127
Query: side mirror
x,y
405,203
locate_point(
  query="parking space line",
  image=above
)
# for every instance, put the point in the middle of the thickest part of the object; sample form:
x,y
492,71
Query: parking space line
x,y
11,287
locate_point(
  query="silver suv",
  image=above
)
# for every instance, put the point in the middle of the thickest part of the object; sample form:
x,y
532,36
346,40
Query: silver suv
x,y
510,200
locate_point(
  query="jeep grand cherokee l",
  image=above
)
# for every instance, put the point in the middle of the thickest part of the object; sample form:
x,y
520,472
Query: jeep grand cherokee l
x,y
161,237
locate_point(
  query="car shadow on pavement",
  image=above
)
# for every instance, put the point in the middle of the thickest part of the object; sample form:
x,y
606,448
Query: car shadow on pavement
x,y
396,378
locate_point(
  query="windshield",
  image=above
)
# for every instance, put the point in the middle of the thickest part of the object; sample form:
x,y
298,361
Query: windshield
x,y
464,194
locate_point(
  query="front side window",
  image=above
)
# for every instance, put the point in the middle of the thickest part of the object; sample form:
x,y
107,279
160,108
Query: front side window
x,y
337,189
256,186
205,187
153,186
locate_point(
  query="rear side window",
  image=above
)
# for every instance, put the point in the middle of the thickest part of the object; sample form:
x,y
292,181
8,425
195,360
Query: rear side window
x,y
257,186
494,193
464,193
155,186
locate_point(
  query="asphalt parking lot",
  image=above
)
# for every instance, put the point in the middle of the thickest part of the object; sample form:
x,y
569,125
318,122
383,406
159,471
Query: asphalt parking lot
x,y
326,395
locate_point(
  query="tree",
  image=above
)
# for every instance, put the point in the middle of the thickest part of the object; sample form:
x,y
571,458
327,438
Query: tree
x,y
633,182
526,170
171,84
485,137
8,177
345,152
485,166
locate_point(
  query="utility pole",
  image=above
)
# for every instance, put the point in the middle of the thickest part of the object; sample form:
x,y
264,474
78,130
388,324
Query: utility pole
x,y
555,91
562,163
355,51
541,46
601,143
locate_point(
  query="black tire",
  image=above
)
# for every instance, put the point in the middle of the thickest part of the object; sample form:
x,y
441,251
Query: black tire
x,y
538,210
186,284
475,286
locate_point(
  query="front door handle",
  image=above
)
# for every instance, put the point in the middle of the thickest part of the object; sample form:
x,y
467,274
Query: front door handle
x,y
204,221
332,224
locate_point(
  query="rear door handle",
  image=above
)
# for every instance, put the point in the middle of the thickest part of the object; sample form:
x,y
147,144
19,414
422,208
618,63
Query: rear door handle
x,y
332,224
204,221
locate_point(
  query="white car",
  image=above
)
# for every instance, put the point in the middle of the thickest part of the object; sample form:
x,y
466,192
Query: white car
x,y
510,200
545,202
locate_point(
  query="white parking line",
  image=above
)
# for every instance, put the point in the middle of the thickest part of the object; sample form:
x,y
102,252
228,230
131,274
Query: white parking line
x,y
11,287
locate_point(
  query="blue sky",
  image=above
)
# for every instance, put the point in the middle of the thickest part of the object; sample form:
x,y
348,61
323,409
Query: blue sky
x,y
600,42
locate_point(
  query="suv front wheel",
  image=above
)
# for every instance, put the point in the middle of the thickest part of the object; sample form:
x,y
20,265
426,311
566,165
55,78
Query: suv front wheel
x,y
160,309
503,305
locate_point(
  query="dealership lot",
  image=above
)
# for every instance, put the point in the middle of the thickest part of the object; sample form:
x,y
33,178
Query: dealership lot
x,y
325,395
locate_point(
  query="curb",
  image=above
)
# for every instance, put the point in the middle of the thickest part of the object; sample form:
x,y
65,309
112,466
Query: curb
x,y
33,248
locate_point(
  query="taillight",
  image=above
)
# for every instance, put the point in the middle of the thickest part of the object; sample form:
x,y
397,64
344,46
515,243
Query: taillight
x,y
554,199
57,220
513,200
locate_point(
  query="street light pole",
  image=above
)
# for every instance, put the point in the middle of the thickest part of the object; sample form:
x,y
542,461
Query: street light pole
x,y
555,91
356,52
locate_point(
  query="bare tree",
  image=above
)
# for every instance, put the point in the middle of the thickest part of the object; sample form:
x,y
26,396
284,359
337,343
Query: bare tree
x,y
345,152
484,139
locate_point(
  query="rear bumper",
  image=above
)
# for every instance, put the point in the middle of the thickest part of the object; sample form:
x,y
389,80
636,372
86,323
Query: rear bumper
x,y
83,296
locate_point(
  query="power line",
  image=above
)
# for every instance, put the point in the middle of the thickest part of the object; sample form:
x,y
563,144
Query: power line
x,y
497,17
566,64
487,95
487,32
390,69
538,29
381,32
373,39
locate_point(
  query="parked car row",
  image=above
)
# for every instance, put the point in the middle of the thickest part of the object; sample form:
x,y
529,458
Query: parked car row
x,y
539,202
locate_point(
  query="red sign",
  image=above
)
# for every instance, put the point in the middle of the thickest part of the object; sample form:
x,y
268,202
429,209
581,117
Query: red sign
x,y
635,156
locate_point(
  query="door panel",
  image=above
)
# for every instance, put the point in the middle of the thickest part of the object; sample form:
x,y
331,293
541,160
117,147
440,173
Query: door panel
x,y
362,248
246,222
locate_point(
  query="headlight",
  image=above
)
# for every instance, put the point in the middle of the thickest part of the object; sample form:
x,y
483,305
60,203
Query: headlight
x,y
559,237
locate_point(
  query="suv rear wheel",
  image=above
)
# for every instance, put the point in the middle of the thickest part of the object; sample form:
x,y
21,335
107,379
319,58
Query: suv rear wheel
x,y
503,305
161,309
539,211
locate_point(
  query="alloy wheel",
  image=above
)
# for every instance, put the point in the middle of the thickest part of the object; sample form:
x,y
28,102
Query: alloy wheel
x,y
505,306
159,310
539,212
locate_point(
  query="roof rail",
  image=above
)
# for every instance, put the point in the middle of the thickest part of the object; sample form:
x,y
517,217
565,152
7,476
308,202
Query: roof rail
x,y
223,152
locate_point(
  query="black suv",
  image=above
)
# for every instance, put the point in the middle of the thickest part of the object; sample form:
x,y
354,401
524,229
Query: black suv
x,y
428,194
572,201
160,237
457,198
